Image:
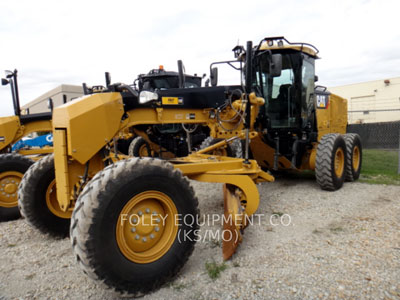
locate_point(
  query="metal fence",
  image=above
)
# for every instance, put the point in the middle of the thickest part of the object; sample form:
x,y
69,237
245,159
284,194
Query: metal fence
x,y
384,136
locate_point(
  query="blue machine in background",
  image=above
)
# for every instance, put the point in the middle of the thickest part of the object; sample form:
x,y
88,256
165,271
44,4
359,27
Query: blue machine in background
x,y
38,142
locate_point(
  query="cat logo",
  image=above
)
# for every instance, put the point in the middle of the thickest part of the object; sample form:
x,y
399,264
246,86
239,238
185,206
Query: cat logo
x,y
322,101
172,101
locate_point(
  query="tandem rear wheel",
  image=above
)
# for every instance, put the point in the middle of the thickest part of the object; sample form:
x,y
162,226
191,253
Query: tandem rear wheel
x,y
331,162
354,156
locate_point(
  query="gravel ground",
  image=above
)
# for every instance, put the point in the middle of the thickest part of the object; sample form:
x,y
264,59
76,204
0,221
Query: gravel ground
x,y
343,244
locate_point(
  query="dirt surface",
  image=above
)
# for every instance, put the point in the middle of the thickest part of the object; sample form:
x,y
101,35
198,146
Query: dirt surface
x,y
343,244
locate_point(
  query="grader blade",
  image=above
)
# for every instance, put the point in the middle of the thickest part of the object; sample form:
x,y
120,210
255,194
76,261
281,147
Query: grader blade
x,y
233,219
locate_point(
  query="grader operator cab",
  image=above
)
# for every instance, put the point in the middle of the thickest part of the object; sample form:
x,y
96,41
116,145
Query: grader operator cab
x,y
131,225
301,126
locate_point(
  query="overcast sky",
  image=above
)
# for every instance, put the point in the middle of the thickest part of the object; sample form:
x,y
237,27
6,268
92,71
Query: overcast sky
x,y
70,42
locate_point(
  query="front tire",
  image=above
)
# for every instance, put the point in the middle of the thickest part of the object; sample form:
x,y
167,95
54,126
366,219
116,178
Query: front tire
x,y
12,169
38,203
331,163
121,251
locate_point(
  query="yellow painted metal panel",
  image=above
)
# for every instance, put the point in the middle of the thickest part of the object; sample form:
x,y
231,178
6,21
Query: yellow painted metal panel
x,y
264,155
37,126
35,151
8,130
90,123
143,116
11,130
332,115
245,183
61,168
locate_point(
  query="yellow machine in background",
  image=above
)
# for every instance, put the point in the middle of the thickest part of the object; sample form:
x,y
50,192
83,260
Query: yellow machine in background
x,y
14,165
133,222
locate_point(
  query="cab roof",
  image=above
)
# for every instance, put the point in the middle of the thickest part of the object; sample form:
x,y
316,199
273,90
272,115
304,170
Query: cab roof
x,y
280,43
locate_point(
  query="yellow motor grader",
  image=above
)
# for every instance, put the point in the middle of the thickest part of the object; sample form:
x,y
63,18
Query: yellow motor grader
x,y
14,165
131,225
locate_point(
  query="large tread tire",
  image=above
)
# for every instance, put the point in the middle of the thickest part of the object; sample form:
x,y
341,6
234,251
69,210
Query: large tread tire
x,y
325,162
95,218
354,148
32,199
12,163
135,146
234,149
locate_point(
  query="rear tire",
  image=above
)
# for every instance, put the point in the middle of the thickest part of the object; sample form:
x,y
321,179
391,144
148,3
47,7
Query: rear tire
x,y
139,148
38,202
354,156
109,248
331,163
12,168
232,150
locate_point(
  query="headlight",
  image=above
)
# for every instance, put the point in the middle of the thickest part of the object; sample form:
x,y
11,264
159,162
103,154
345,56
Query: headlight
x,y
146,96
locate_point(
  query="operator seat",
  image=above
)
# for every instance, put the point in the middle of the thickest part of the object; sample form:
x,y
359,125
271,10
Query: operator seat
x,y
285,92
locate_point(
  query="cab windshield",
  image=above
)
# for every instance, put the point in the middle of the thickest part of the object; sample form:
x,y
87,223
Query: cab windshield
x,y
287,96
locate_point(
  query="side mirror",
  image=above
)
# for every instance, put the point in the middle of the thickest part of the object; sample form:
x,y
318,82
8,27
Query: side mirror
x,y
275,67
315,78
4,81
214,76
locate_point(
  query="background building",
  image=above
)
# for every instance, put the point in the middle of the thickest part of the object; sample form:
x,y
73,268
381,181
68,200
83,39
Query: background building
x,y
373,101
60,95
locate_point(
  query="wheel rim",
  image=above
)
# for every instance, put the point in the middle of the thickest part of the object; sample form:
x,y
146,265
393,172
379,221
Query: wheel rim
x,y
52,203
9,182
143,152
339,162
356,158
146,227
